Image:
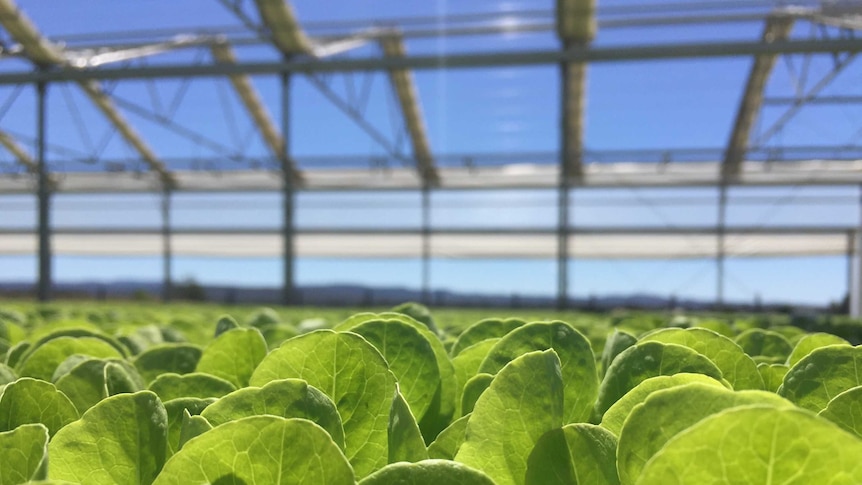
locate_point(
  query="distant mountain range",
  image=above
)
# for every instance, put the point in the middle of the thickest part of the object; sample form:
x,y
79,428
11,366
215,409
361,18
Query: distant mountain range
x,y
356,295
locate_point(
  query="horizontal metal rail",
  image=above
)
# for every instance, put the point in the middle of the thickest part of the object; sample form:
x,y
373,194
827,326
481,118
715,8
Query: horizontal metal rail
x,y
454,61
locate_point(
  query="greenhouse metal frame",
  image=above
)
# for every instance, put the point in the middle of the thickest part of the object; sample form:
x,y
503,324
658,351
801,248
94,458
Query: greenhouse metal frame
x,y
92,60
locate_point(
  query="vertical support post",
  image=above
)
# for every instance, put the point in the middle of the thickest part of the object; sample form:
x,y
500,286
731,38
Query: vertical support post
x,y
287,194
44,197
851,250
720,249
566,113
856,277
426,244
167,281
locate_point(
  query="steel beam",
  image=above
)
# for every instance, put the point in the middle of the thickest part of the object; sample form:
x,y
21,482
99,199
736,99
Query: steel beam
x,y
819,100
288,195
454,61
286,33
851,252
576,20
167,256
856,291
44,197
411,108
223,54
720,233
45,54
777,29
576,28
426,245
21,155
633,231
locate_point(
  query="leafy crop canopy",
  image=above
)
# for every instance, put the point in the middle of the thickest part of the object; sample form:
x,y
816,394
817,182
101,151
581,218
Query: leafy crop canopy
x,y
164,358
811,342
442,408
405,439
449,441
354,375
483,330
41,362
234,355
508,420
175,410
645,360
615,343
86,383
668,412
616,415
260,450
410,358
123,439
196,384
758,445
27,401
757,342
23,454
575,454
287,398
822,374
735,365
845,410
773,375
7,375
428,472
467,364
578,365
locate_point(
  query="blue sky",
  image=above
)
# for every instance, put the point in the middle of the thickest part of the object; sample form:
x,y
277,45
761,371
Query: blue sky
x,y
637,105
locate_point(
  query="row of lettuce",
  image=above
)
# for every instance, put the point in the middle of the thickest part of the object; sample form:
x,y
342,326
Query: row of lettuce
x,y
391,398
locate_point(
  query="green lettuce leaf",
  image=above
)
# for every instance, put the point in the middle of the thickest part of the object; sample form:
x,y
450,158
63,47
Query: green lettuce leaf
x,y
578,365
354,375
428,472
234,355
28,401
287,398
822,374
405,439
649,359
762,445
260,450
24,454
508,420
121,440
575,454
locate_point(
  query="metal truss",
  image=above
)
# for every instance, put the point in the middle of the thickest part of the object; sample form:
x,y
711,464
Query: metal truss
x,y
318,53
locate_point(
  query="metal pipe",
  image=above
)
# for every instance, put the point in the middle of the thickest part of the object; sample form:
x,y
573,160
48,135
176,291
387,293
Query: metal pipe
x,y
454,61
856,291
167,270
720,249
426,244
851,250
44,197
288,182
563,191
